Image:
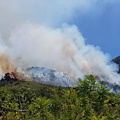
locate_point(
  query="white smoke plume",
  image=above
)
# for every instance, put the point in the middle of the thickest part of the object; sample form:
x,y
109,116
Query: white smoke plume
x,y
62,49
47,12
42,44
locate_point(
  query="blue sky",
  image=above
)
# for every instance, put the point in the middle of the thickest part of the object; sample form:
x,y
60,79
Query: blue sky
x,y
103,29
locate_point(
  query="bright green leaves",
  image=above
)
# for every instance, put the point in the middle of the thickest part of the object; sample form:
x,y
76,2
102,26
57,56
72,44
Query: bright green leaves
x,y
41,108
89,100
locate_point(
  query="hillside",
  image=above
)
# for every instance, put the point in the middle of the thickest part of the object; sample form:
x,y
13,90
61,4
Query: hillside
x,y
31,101
89,100
117,60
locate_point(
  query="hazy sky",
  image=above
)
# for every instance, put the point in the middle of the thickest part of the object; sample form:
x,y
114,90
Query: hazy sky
x,y
97,20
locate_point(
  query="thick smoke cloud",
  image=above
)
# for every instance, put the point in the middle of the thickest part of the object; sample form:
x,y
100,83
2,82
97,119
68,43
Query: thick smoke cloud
x,y
31,37
62,49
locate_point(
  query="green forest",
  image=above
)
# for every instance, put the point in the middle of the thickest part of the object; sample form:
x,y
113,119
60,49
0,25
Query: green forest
x,y
89,100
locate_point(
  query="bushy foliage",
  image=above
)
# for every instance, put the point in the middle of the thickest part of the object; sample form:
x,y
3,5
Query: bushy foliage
x,y
87,101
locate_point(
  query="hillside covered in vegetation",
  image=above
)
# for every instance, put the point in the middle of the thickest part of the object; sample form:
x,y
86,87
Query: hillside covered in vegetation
x,y
117,61
20,100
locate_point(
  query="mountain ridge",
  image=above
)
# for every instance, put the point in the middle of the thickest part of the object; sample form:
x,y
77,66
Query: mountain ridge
x,y
117,61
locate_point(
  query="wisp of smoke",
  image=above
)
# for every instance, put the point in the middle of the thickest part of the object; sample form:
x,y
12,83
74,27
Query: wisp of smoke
x,y
59,48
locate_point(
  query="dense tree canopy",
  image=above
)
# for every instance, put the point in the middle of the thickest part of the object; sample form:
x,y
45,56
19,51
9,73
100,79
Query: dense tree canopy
x,y
31,101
